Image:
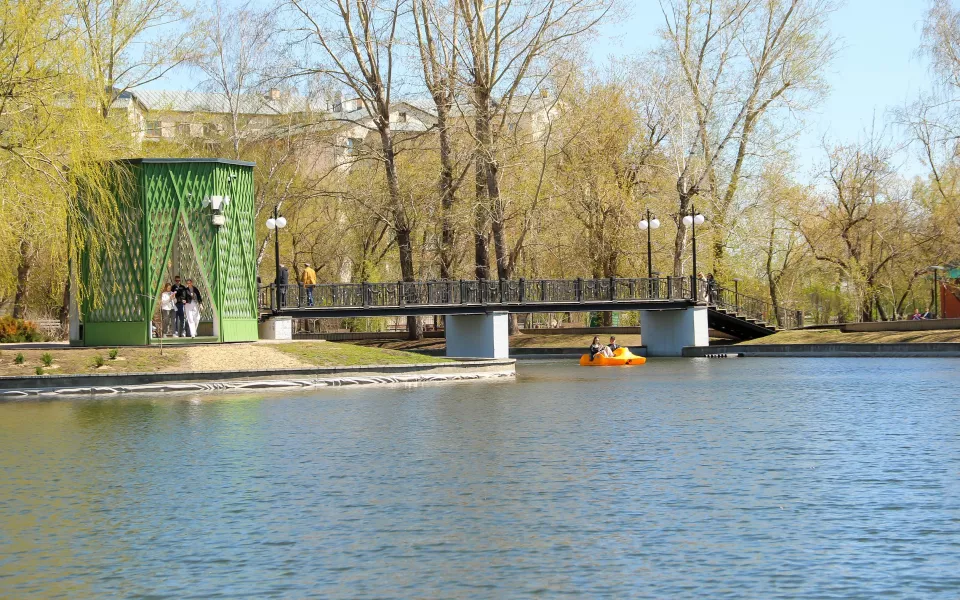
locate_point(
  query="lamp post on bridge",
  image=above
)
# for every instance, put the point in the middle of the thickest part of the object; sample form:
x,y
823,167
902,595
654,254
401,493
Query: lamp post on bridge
x,y
692,220
275,224
647,225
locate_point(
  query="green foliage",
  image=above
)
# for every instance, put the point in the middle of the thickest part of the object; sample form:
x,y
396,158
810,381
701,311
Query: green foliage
x,y
39,370
18,330
98,361
46,359
18,359
114,352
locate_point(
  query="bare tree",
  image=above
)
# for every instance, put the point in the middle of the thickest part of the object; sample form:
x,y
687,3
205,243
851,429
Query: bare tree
x,y
735,61
240,59
130,43
357,41
436,24
506,51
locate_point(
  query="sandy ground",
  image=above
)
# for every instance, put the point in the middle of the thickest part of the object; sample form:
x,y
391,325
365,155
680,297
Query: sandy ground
x,y
215,357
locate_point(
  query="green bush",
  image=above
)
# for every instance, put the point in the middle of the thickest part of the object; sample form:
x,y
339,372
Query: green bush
x,y
98,361
114,352
18,330
39,371
46,359
18,359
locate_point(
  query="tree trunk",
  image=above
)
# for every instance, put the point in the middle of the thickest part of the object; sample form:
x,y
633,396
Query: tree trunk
x,y
64,314
23,273
481,210
401,226
447,197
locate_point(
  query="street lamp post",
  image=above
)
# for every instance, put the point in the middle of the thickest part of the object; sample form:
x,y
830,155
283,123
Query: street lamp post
x,y
692,220
647,225
275,224
936,290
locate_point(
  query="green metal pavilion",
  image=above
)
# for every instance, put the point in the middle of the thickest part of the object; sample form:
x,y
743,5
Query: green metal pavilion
x,y
187,217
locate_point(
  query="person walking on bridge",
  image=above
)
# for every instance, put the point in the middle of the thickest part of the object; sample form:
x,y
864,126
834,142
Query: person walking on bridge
x,y
308,279
283,278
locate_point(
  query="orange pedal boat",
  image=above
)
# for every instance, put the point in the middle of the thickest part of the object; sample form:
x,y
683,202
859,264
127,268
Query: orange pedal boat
x,y
622,357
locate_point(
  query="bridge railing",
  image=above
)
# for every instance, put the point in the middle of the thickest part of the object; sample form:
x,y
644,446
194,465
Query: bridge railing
x,y
756,308
523,291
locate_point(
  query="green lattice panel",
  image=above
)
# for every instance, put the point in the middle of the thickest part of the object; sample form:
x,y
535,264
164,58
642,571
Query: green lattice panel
x,y
162,206
198,182
119,298
237,245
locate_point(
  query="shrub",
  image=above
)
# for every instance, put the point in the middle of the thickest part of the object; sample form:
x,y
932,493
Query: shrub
x,y
39,371
46,359
18,359
98,361
18,330
113,353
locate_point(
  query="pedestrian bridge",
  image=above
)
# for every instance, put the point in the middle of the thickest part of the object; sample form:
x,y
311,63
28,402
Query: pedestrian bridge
x,y
674,311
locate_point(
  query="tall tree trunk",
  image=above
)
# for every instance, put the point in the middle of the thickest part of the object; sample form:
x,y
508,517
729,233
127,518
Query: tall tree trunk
x,y
482,208
64,313
447,197
23,273
402,227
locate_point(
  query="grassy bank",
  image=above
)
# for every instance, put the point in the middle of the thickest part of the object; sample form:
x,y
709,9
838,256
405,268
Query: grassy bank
x,y
833,336
210,357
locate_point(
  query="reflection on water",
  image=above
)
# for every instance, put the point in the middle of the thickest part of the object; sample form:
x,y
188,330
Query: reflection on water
x,y
683,478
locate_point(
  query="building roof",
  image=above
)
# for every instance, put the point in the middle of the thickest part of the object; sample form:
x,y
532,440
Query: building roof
x,y
221,161
249,104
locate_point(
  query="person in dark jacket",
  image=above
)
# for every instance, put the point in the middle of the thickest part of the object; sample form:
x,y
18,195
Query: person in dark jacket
x,y
179,320
282,280
613,345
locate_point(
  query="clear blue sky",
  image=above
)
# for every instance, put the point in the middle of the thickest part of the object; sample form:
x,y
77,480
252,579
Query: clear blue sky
x,y
875,70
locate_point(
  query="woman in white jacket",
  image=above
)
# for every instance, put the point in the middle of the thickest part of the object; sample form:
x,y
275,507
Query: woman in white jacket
x,y
192,308
168,310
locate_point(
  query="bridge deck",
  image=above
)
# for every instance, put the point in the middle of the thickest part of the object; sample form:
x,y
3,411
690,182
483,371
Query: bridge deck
x,y
519,296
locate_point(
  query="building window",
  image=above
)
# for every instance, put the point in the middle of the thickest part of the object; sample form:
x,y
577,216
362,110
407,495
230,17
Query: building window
x,y
154,130
353,146
403,117
183,129
210,130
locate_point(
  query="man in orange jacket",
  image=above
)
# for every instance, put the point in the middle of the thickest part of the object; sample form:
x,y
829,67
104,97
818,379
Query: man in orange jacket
x,y
308,279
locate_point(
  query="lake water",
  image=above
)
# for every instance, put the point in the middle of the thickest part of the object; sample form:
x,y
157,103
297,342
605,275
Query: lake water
x,y
738,478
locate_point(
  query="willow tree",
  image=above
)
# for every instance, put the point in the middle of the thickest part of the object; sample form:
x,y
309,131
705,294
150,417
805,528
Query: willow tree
x,y
50,139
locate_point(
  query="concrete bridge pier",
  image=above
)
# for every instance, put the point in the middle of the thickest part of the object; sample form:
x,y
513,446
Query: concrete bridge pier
x,y
667,332
478,336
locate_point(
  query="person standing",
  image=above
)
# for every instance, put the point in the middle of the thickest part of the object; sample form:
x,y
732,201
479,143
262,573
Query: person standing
x,y
179,321
283,278
712,289
308,279
192,308
168,311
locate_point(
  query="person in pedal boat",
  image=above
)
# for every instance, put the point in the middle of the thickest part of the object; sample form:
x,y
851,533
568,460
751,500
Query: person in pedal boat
x,y
597,348
613,345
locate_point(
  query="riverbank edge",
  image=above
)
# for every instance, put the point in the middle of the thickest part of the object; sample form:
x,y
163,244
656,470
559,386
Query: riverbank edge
x,y
895,350
14,388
